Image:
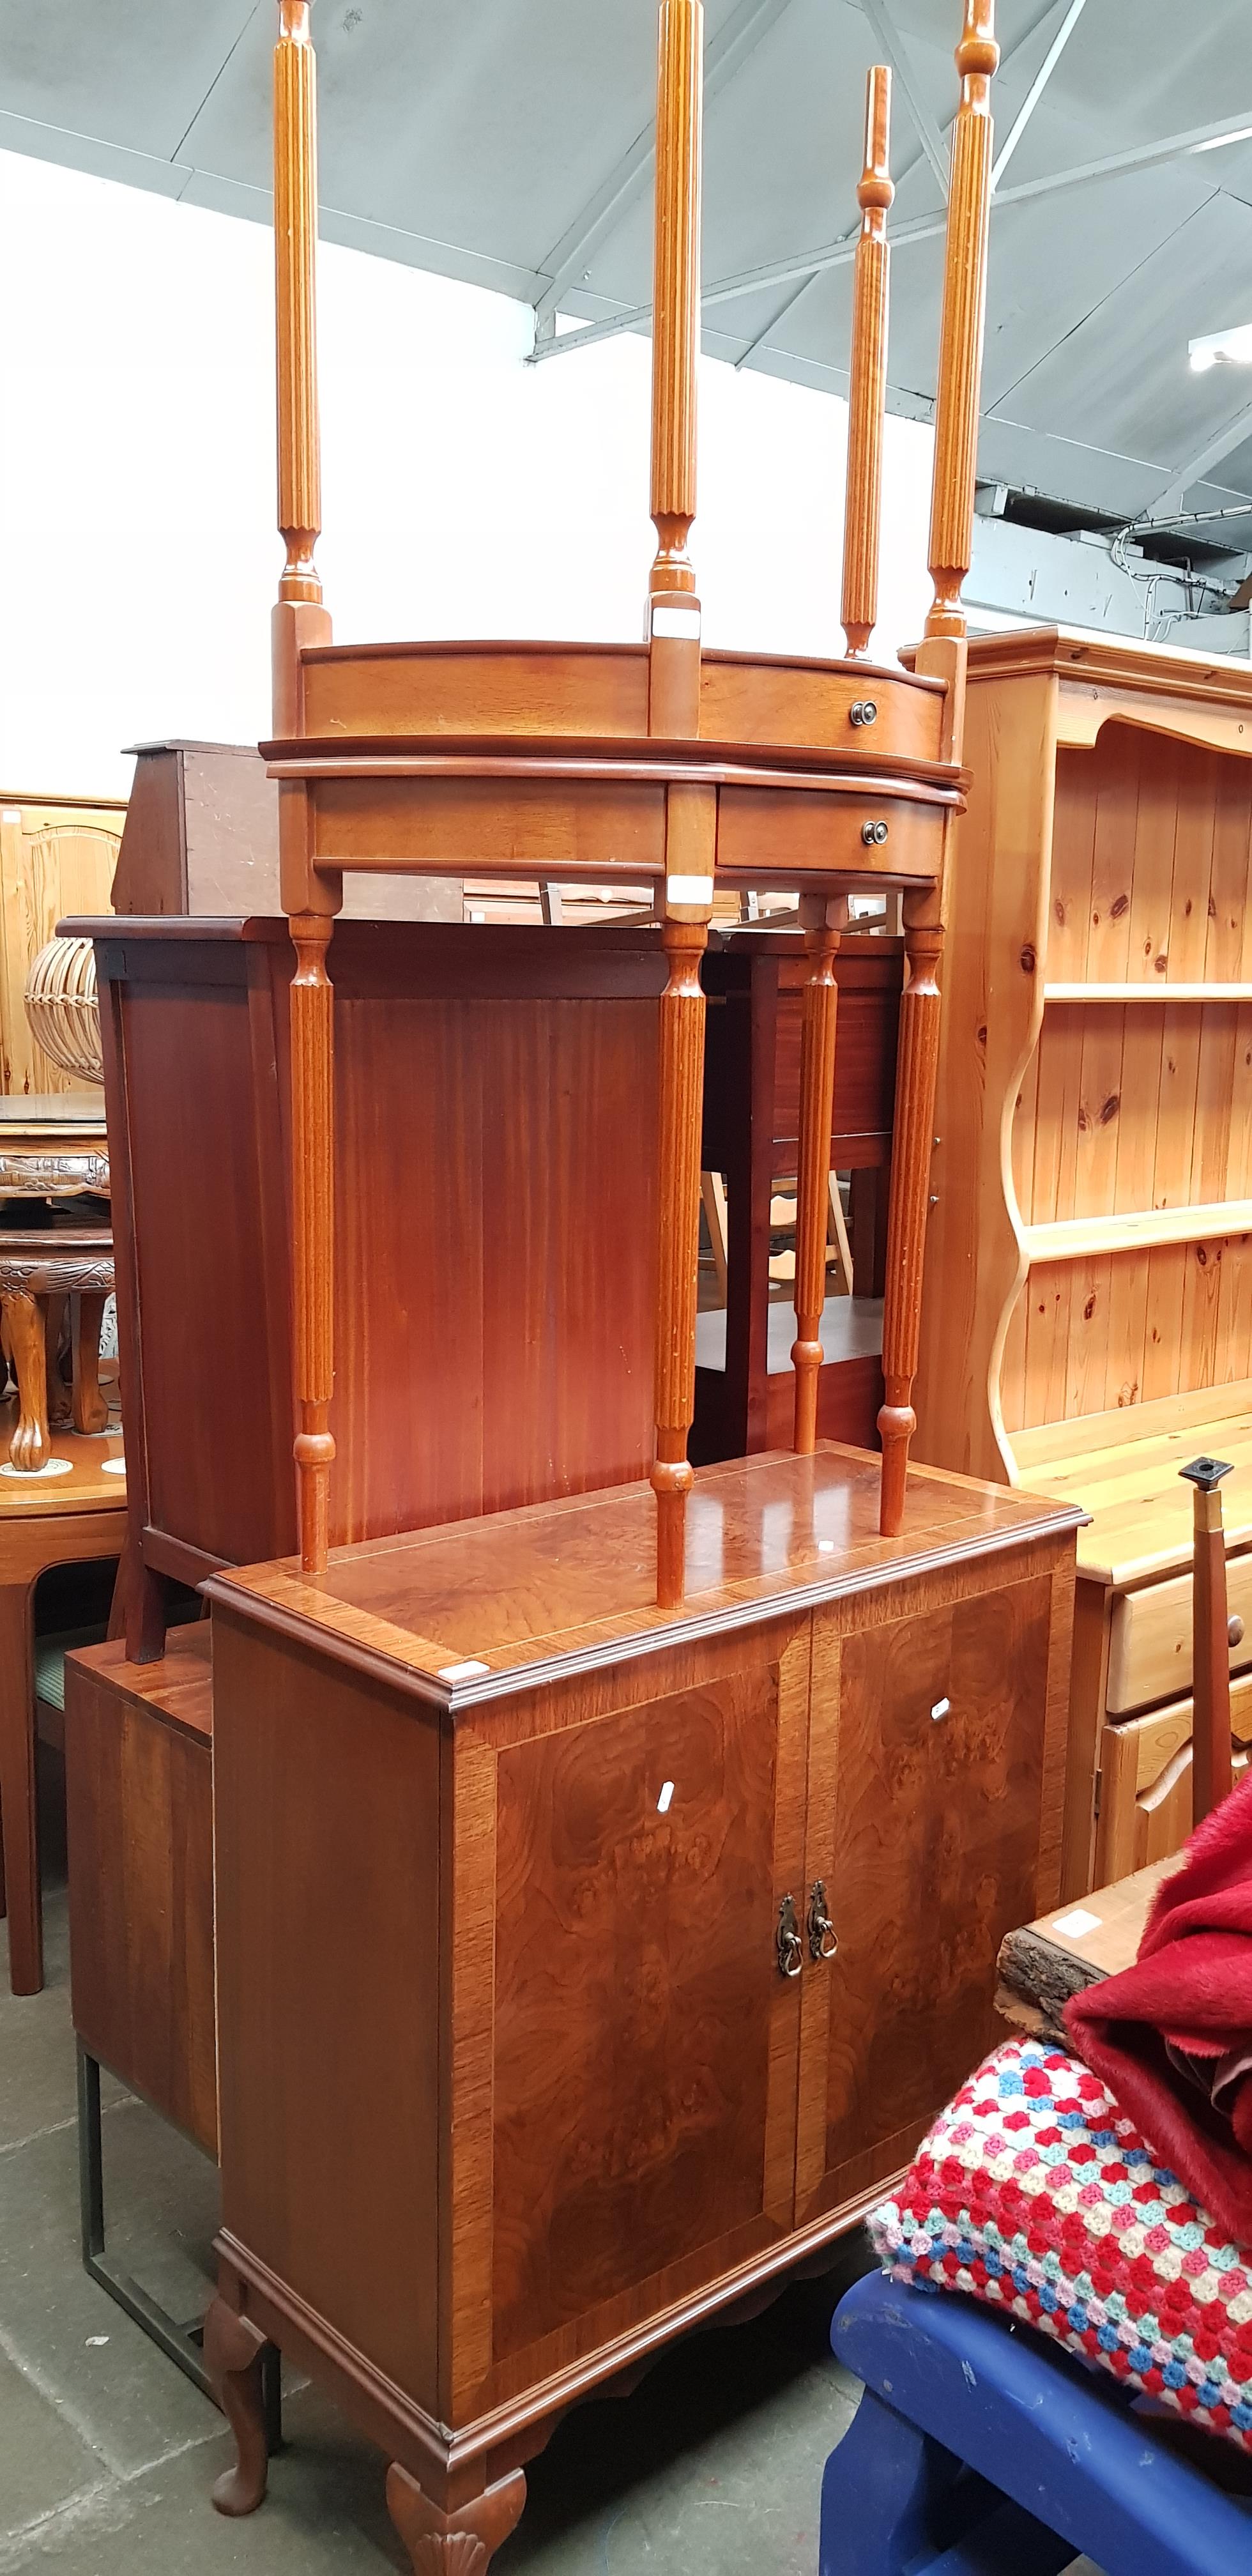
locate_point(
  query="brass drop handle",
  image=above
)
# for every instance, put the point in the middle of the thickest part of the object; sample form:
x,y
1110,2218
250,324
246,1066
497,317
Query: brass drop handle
x,y
1234,1629
823,1938
790,1959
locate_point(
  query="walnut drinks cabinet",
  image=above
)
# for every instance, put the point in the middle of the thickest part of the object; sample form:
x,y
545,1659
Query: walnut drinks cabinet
x,y
583,1965
573,1978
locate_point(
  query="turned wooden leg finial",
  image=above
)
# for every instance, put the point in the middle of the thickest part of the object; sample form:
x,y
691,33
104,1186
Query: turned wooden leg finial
x,y
453,2544
1212,1772
234,2352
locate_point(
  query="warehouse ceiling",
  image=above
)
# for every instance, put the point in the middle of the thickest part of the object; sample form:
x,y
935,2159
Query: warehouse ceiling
x,y
506,142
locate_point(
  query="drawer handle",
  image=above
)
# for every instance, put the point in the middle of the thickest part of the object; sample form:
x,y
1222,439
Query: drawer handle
x,y
790,1958
873,835
823,1938
863,712
1234,1629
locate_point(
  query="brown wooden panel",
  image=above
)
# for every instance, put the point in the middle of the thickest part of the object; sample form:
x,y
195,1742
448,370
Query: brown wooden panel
x,y
204,1158
865,1073
745,700
495,1254
476,688
327,1942
775,837
933,1849
495,1158
635,1975
139,1799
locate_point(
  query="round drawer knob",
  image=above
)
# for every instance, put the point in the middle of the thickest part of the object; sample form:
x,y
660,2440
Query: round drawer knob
x,y
863,712
873,835
1234,1630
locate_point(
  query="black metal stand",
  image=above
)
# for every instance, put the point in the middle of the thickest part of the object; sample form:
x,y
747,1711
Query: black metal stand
x,y
182,2343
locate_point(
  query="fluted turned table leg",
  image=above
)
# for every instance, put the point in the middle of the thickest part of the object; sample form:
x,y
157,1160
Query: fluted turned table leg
x,y
312,1131
917,1065
681,1096
822,922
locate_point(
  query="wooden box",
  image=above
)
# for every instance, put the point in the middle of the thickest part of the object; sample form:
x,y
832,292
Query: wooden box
x,y
496,1253
201,836
138,1781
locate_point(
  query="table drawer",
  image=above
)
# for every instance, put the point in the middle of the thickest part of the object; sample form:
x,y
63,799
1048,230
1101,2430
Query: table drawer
x,y
1150,1644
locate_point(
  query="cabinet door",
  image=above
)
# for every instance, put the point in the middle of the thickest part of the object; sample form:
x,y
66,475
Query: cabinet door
x,y
926,1771
627,2131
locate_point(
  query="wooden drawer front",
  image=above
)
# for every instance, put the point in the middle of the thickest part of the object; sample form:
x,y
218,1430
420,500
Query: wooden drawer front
x,y
1150,1646
1145,1783
745,701
779,835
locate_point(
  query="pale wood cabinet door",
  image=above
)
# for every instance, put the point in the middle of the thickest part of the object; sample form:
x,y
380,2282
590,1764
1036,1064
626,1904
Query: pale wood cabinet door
x,y
926,1768
627,2123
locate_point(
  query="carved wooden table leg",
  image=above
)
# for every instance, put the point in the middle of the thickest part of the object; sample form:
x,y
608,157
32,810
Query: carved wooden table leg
x,y
24,1325
90,1410
60,1406
234,2350
453,2544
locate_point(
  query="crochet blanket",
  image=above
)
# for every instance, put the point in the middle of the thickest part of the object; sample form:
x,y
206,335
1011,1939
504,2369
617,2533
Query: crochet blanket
x,y
1035,2192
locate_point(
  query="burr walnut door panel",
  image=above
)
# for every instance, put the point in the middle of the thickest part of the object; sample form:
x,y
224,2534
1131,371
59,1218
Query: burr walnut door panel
x,y
644,2042
926,1772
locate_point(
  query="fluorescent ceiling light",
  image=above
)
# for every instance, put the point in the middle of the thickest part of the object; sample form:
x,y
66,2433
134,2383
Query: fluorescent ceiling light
x,y
1222,348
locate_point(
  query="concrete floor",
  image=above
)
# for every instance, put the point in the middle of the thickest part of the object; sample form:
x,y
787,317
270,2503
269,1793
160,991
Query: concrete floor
x,y
107,2452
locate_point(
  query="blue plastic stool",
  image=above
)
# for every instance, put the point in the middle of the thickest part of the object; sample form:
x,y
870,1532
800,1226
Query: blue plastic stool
x,y
979,2449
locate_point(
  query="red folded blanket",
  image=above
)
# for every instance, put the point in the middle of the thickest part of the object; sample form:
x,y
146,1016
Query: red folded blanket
x,y
1172,2036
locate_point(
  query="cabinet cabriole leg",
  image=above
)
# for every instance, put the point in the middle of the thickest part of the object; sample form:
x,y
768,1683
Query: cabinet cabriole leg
x,y
453,2544
234,2352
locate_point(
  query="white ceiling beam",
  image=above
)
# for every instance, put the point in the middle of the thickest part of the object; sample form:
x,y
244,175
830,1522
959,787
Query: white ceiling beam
x,y
1173,493
806,263
892,42
566,262
799,291
1035,91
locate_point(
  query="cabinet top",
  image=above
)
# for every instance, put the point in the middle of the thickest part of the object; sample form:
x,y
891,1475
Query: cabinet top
x,y
481,1608
1114,661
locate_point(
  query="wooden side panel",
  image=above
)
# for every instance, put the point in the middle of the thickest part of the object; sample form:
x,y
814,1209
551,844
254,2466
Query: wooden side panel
x,y
326,1819
998,952
935,1815
495,1254
203,1144
139,1813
